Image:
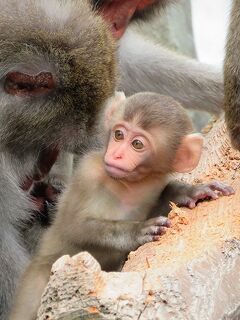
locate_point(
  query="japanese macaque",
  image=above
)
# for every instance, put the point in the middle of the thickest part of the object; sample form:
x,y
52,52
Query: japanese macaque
x,y
57,69
232,76
146,66
106,207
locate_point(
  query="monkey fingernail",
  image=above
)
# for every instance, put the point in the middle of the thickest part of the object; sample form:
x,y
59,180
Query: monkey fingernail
x,y
210,196
162,230
192,204
161,221
156,238
232,191
228,191
168,223
224,189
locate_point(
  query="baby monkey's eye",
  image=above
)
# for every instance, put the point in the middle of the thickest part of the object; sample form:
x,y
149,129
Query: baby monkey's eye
x,y
137,144
118,135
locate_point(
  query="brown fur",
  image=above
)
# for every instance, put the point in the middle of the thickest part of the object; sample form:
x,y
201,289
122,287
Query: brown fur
x,y
106,216
81,57
156,110
103,215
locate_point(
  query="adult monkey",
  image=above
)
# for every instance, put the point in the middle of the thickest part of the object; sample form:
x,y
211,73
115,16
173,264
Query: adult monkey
x,y
149,67
232,76
57,69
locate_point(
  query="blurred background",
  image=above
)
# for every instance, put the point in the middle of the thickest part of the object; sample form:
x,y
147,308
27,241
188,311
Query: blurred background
x,y
194,28
210,21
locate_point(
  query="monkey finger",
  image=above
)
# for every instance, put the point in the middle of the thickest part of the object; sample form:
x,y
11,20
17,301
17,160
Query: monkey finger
x,y
186,201
156,230
204,193
190,203
148,238
161,232
156,238
225,189
162,221
159,221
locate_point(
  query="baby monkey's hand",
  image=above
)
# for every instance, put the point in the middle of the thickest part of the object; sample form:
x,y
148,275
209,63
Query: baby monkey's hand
x,y
205,191
152,229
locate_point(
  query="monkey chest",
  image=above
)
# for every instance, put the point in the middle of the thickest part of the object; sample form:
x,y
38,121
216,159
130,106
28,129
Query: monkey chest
x,y
122,206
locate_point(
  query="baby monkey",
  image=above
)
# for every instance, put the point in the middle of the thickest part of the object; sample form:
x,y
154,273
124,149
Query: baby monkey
x,y
105,209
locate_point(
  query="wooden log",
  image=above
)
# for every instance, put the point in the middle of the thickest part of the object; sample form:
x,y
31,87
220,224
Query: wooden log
x,y
191,273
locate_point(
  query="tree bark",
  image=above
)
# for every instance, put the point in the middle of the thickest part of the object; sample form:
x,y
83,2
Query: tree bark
x,y
191,273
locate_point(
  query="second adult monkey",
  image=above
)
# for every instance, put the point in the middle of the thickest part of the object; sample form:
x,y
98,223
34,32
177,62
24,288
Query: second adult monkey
x,y
105,208
147,66
232,76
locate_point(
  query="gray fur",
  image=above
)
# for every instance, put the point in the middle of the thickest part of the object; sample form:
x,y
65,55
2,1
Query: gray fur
x,y
61,37
14,210
146,66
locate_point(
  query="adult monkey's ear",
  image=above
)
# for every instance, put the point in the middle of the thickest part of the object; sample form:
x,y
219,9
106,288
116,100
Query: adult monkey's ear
x,y
188,154
113,108
118,13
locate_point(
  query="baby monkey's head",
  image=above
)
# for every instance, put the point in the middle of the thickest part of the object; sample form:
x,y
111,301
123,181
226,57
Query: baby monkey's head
x,y
149,134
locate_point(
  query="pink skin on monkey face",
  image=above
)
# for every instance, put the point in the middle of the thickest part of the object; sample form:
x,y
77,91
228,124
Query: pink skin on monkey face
x,y
119,12
129,152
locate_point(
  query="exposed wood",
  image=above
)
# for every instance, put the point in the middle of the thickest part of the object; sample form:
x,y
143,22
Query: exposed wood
x,y
191,273
211,223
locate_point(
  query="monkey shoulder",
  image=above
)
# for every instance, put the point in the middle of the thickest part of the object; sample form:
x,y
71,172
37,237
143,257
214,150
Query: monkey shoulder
x,y
91,169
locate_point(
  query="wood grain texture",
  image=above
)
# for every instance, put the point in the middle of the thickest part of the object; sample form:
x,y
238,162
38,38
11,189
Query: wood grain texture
x,y
191,273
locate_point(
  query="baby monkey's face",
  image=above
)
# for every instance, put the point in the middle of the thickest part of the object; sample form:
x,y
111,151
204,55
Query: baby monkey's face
x,y
129,153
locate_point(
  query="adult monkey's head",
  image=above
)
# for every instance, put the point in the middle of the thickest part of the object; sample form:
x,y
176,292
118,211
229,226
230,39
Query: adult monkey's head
x,y
120,12
57,68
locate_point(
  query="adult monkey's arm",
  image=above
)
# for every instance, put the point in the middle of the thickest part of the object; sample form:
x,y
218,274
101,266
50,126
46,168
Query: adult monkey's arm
x,y
149,67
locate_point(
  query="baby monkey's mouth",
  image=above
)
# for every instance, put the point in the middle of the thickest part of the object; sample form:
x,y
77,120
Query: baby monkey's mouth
x,y
116,172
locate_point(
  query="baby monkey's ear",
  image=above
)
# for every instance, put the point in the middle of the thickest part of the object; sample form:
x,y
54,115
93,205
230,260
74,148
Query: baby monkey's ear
x,y
188,154
113,108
